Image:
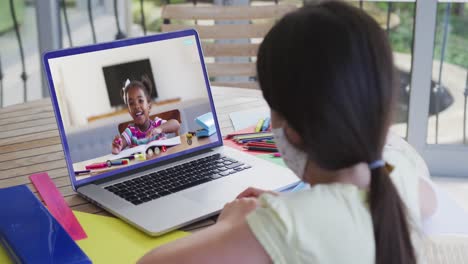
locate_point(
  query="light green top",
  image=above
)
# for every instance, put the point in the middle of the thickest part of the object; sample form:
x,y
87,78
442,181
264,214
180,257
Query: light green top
x,y
331,223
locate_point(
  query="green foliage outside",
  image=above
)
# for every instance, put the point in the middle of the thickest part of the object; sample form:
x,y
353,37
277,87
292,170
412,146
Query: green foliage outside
x,y
6,22
457,40
456,51
152,11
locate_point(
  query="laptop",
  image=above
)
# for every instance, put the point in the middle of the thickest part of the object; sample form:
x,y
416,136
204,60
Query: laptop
x,y
165,183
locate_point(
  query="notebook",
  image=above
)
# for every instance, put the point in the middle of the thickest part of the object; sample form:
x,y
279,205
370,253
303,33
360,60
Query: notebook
x,y
30,234
143,148
127,245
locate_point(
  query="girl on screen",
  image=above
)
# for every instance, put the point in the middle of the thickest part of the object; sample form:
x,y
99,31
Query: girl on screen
x,y
137,96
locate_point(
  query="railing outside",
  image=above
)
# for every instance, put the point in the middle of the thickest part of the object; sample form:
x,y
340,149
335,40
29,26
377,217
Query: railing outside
x,y
450,72
447,121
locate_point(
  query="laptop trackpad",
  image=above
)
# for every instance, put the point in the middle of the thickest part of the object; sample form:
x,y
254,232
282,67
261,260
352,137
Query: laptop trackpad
x,y
216,192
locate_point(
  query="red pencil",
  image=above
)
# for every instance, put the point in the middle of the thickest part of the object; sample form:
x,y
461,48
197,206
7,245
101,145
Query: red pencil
x,y
261,144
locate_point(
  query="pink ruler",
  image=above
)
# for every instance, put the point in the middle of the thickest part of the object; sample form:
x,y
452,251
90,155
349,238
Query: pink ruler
x,y
57,205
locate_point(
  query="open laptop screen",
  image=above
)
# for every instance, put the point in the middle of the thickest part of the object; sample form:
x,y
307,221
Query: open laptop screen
x,y
100,95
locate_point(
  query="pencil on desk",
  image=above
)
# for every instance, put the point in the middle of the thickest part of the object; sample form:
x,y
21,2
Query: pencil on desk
x,y
258,128
230,136
260,144
254,135
266,124
252,140
266,149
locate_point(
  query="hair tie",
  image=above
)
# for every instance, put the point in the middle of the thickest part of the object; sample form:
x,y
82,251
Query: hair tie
x,y
376,164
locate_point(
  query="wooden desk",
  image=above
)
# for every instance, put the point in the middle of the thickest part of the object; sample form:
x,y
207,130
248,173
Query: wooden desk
x,y
30,143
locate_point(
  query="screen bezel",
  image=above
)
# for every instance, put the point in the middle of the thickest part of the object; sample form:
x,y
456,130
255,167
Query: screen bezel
x,y
119,44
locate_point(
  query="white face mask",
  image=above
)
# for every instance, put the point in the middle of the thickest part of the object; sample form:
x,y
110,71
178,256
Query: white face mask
x,y
294,158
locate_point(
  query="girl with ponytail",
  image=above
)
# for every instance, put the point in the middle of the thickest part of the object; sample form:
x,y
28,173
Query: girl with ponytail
x,y
327,73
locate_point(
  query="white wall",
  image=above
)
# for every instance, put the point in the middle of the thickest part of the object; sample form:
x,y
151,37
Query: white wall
x,y
81,87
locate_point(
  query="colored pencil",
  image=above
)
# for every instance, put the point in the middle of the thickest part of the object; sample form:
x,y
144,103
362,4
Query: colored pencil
x,y
232,135
253,140
266,124
229,136
260,144
259,126
261,149
252,136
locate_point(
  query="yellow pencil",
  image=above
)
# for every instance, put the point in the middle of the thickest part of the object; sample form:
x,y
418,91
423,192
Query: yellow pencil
x,y
258,128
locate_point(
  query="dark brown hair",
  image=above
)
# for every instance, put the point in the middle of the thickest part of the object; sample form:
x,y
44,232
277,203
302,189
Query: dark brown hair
x,y
328,70
144,84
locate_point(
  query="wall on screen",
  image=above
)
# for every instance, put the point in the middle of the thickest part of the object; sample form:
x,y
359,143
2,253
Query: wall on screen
x,y
80,81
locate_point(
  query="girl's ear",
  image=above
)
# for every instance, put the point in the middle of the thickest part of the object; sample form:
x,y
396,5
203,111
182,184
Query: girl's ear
x,y
149,105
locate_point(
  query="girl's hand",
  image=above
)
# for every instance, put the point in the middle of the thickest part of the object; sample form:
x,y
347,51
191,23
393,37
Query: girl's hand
x,y
236,211
155,132
254,193
117,145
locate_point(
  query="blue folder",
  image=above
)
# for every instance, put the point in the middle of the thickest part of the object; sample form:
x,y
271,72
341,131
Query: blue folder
x,y
30,234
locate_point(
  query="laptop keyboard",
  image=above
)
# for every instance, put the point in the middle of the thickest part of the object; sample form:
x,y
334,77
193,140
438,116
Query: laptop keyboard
x,y
164,182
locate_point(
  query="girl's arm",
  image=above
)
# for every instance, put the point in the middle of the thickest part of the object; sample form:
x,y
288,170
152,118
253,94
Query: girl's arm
x,y
124,142
230,240
170,126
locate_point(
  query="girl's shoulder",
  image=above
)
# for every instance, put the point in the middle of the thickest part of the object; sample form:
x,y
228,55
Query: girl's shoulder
x,y
321,206
317,222
321,197
131,128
